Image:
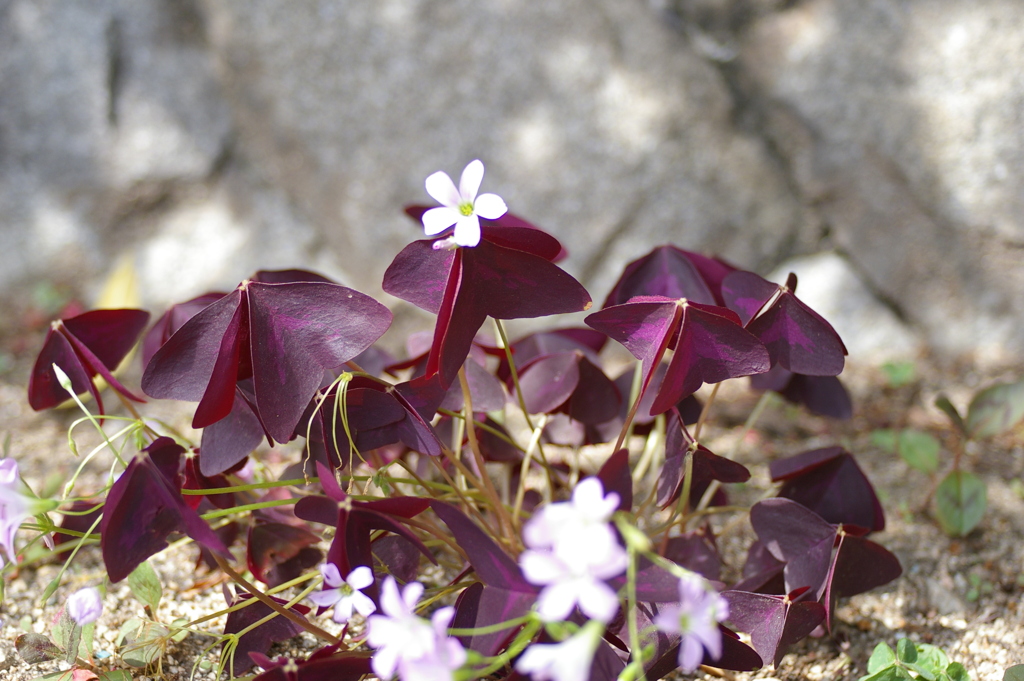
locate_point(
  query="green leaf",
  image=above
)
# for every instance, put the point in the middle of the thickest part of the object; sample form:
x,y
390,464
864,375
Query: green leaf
x,y
885,439
145,584
181,634
899,373
932,658
906,651
882,656
920,450
943,403
1014,673
957,672
995,410
116,675
960,503
144,642
36,648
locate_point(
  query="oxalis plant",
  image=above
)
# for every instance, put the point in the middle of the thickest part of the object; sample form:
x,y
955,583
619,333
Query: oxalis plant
x,y
463,456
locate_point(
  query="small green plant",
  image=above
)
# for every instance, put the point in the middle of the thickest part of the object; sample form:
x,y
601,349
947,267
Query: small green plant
x,y
912,661
899,374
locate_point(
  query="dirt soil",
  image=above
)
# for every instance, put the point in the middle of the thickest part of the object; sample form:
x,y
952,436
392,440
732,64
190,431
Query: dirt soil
x,y
960,594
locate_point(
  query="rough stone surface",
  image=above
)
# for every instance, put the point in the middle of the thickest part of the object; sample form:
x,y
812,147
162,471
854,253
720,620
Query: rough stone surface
x,y
213,138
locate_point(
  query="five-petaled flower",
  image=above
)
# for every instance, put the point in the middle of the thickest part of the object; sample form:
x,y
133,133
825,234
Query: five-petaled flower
x,y
14,506
85,606
696,619
571,550
460,206
345,594
408,644
569,660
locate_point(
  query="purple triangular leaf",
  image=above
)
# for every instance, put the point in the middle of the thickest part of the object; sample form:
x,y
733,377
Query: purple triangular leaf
x,y
489,561
797,536
482,605
830,483
858,566
260,638
615,477
665,271
773,622
696,551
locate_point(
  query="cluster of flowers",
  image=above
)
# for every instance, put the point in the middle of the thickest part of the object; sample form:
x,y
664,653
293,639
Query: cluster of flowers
x,y
573,550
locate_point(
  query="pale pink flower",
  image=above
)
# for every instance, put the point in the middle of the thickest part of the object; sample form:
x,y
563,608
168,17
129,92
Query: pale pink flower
x,y
460,206
408,644
569,660
578,527
345,594
85,606
14,507
696,619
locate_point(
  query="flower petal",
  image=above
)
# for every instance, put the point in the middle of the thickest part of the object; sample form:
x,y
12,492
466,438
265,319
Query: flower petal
x,y
360,578
467,231
443,190
556,602
436,220
362,603
326,598
331,575
598,601
469,183
489,206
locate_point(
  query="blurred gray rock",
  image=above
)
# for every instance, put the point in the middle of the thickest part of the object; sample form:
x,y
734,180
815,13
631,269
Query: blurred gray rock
x,y
210,138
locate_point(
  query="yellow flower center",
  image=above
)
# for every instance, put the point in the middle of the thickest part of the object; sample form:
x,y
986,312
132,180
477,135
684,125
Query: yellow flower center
x,y
466,208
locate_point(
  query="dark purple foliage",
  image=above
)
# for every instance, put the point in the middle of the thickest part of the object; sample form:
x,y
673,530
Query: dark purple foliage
x,y
570,383
830,483
696,551
821,395
796,336
671,272
323,665
85,514
709,344
283,336
773,622
259,639
144,506
509,275
707,465
90,344
279,552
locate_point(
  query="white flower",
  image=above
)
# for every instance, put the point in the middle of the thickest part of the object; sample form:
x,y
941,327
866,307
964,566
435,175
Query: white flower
x,y
14,506
417,649
568,583
696,619
345,594
572,549
578,527
460,206
85,606
569,660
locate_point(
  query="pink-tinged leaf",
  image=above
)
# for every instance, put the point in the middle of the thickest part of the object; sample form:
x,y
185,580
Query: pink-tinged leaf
x,y
44,390
489,561
219,397
773,622
83,346
796,336
171,321
797,536
548,382
483,605
485,389
745,293
643,326
260,638
665,271
182,367
707,465
230,440
488,280
799,338
144,506
696,551
859,565
109,334
296,332
712,347
419,275
277,553
346,666
830,483
615,477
